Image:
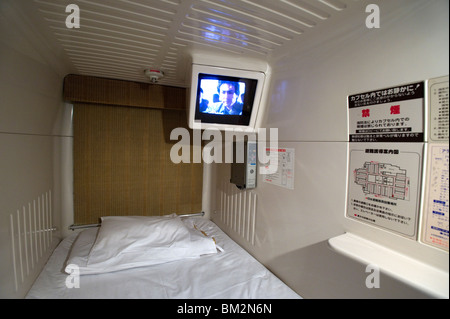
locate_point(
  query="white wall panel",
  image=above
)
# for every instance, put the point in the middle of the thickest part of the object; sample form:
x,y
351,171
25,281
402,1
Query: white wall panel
x,y
290,219
26,184
30,100
311,81
307,103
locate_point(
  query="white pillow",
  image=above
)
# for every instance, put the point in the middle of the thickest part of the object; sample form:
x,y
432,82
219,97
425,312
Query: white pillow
x,y
128,242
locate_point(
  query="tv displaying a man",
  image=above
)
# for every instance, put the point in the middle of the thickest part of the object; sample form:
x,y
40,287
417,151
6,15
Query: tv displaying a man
x,y
229,99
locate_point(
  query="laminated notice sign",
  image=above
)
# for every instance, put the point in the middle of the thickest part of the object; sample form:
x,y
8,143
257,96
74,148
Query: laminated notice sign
x,y
384,185
393,114
435,229
438,109
281,167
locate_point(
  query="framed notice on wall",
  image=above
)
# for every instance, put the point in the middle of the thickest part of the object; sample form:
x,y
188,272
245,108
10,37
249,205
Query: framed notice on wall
x,y
438,109
384,185
394,114
281,167
435,228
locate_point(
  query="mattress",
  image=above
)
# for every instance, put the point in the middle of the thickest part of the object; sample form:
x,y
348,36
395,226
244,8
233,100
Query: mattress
x,y
232,273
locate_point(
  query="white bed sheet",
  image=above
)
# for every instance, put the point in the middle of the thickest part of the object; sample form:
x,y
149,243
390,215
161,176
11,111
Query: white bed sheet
x,y
231,274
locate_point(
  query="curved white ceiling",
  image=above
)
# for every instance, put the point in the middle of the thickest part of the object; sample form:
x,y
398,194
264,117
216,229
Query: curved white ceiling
x,y
120,38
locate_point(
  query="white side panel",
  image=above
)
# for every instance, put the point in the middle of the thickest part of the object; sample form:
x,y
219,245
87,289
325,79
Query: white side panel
x,y
30,99
26,202
311,81
286,219
307,103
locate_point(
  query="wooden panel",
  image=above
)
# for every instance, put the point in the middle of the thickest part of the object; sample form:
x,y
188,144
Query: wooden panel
x,y
89,89
122,164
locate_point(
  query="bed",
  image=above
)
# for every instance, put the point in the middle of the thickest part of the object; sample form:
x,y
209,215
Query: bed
x,y
166,257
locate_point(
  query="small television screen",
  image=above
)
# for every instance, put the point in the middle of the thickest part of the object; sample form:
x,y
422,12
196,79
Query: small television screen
x,y
225,99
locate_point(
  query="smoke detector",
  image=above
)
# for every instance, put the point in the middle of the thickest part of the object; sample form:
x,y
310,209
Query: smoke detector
x,y
154,75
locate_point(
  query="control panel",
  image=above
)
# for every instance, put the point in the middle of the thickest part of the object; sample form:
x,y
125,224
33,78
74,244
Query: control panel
x,y
243,168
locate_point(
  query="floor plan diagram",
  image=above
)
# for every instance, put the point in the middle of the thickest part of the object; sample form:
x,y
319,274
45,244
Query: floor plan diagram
x,y
383,179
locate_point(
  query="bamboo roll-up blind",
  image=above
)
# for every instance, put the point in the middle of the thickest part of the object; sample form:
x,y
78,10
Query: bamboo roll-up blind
x,y
122,164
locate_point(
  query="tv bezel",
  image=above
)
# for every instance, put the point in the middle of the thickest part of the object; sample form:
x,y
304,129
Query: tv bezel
x,y
246,122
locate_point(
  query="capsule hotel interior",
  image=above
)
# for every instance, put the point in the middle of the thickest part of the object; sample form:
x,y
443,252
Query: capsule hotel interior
x,y
115,183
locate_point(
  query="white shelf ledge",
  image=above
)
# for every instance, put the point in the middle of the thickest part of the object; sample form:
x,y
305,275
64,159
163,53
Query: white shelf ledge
x,y
408,270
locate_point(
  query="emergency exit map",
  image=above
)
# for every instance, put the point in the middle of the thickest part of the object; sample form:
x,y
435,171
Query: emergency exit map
x,y
384,185
383,179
